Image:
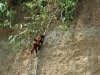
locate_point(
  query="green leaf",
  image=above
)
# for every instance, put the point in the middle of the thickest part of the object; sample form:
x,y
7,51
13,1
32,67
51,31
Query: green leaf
x,y
21,26
62,27
16,26
18,46
10,37
26,33
28,44
23,8
13,40
10,13
62,4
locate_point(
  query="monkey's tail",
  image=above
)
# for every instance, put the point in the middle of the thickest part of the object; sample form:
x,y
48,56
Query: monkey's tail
x,y
51,17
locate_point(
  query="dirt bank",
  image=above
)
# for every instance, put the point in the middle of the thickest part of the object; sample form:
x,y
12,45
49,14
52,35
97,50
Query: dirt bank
x,y
71,52
88,12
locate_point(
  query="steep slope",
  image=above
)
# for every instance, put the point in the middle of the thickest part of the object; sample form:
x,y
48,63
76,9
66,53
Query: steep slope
x,y
88,12
71,52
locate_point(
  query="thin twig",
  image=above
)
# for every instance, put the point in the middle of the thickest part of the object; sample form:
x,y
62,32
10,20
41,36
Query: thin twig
x,y
51,17
62,18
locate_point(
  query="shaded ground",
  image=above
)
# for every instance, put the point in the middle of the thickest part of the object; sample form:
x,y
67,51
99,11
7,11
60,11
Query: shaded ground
x,y
88,12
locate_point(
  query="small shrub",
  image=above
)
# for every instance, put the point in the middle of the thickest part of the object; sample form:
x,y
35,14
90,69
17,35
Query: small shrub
x,y
67,8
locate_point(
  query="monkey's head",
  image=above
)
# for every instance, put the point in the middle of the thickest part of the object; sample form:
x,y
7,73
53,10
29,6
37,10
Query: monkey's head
x,y
40,37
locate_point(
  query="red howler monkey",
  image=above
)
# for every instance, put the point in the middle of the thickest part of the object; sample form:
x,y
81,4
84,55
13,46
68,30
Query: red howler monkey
x,y
37,43
36,46
40,38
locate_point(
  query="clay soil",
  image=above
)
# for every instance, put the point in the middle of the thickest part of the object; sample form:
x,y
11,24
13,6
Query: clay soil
x,y
72,52
88,13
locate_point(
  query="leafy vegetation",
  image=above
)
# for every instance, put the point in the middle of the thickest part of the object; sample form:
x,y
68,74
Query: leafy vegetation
x,y
67,8
36,13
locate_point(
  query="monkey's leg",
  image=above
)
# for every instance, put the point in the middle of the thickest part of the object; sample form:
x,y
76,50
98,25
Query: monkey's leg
x,y
32,51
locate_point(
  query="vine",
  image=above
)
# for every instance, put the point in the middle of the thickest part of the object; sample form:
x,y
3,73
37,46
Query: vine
x,y
36,14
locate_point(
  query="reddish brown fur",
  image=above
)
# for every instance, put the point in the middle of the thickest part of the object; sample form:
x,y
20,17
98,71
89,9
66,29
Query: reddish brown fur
x,y
40,38
36,46
37,43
